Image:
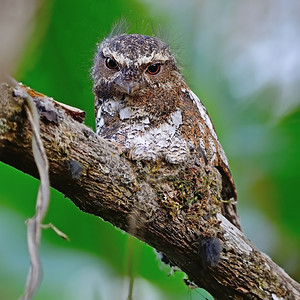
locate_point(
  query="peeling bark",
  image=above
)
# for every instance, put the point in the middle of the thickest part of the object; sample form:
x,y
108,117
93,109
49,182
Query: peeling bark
x,y
173,208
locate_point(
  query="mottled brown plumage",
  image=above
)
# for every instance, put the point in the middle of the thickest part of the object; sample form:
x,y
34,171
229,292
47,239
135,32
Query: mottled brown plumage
x,y
143,104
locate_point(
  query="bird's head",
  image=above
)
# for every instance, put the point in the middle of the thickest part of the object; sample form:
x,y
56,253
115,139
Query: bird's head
x,y
131,65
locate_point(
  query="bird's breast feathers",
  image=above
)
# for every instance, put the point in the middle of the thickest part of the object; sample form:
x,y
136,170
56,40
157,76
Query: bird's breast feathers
x,y
148,136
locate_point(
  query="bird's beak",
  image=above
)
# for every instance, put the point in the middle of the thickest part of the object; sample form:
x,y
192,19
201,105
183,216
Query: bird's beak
x,y
128,87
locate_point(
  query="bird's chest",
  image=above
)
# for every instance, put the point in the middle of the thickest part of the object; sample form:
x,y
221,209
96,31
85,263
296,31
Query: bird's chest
x,y
142,134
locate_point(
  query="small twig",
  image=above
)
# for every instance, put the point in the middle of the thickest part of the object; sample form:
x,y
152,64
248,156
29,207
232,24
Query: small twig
x,y
56,230
34,223
130,267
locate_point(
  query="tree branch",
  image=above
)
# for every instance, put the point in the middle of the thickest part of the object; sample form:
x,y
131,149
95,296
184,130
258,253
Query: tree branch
x,y
156,202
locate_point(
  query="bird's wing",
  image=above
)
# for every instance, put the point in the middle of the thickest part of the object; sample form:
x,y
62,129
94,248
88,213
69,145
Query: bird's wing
x,y
211,149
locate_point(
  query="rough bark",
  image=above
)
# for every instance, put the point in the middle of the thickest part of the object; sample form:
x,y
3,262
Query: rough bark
x,y
169,207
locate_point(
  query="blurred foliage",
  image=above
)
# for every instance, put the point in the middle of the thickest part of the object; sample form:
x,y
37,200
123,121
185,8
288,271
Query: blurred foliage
x,y
264,154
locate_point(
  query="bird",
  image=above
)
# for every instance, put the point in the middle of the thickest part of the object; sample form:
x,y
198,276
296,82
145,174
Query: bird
x,y
144,105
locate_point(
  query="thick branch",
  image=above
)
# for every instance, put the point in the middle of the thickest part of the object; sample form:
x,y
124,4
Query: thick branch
x,y
152,201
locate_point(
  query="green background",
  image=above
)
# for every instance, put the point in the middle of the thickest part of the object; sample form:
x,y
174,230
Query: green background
x,y
261,141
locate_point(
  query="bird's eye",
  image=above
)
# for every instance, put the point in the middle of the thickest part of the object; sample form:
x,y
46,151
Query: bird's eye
x,y
111,63
153,69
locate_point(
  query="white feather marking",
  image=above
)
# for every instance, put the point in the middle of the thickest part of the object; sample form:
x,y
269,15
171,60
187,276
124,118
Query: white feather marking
x,y
162,141
145,121
111,107
122,59
176,118
212,149
201,128
99,112
223,155
125,113
202,145
100,123
99,120
203,113
166,85
144,60
154,57
211,152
